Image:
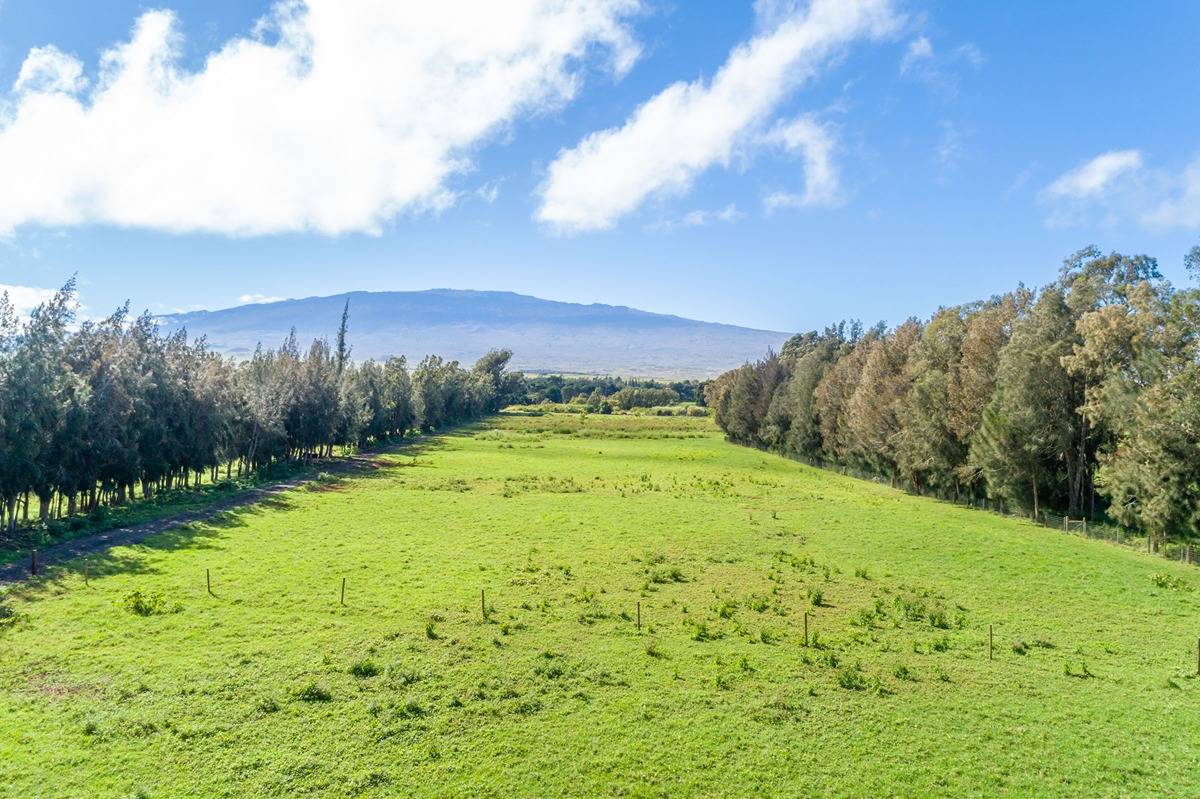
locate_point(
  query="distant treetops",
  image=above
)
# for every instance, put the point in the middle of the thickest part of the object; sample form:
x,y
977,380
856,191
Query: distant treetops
x,y
1083,396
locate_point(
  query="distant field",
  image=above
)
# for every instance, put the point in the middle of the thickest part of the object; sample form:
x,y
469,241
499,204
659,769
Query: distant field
x,y
567,522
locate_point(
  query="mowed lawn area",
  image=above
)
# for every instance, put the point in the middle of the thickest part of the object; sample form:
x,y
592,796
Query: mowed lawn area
x,y
272,687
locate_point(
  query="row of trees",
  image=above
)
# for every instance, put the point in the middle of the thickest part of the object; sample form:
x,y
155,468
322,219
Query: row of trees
x,y
1083,396
595,389
113,410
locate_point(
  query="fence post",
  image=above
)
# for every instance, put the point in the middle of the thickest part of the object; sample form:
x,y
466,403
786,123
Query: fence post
x,y
33,562
806,628
343,590
482,605
1066,524
208,581
639,616
989,642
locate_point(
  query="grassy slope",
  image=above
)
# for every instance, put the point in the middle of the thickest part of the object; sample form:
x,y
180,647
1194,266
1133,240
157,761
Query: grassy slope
x,y
567,522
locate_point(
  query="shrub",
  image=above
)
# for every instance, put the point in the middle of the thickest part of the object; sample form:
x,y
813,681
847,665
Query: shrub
x,y
902,672
851,678
551,671
1020,647
816,597
364,668
653,649
1168,581
312,692
937,618
150,604
412,708
701,632
8,616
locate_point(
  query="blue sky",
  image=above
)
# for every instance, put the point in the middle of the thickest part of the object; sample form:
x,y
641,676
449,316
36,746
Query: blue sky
x,y
766,164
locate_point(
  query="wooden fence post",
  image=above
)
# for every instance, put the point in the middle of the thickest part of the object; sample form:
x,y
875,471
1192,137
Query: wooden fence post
x,y
33,562
989,642
482,605
639,616
806,628
343,590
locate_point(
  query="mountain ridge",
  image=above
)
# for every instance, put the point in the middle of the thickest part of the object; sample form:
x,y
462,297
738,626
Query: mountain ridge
x,y
545,335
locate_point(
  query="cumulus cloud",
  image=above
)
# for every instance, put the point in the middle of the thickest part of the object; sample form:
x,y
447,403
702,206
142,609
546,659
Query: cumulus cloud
x,y
47,70
689,127
1092,177
259,299
25,298
332,115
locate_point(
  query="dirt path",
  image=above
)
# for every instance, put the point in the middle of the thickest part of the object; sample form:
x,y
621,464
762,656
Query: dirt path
x,y
136,533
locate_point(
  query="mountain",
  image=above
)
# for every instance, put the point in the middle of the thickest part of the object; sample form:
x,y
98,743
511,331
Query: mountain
x,y
544,335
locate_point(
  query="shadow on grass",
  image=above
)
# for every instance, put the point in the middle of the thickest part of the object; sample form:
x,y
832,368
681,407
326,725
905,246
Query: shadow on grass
x,y
94,555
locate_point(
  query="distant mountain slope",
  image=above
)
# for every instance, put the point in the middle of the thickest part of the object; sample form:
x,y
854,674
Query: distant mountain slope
x,y
544,335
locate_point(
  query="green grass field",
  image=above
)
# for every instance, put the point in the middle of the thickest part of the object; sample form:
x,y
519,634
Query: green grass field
x,y
273,688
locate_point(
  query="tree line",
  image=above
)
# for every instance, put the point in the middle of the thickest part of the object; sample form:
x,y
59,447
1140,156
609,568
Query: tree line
x,y
624,392
102,413
1082,396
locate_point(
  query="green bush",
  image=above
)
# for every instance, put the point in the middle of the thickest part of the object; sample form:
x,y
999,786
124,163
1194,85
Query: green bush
x,y
312,692
148,604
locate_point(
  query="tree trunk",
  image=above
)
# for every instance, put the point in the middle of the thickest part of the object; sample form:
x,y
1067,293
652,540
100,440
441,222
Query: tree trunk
x,y
1035,497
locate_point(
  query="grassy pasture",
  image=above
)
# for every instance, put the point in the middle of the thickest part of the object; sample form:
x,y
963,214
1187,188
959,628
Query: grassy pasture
x,y
143,684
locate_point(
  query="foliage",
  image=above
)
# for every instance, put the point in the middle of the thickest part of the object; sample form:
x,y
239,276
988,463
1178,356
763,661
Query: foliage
x,y
1082,397
95,417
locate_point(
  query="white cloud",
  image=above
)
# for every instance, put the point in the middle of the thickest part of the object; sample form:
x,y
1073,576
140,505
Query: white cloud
x,y
489,192
689,127
939,71
919,49
1091,178
332,116
971,54
815,144
1179,204
47,70
1118,186
951,148
259,299
25,298
701,218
